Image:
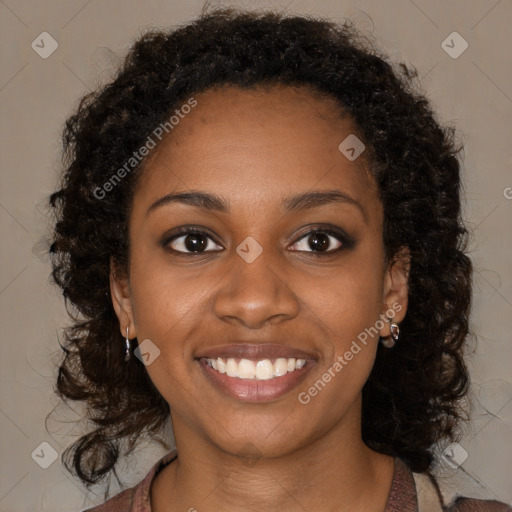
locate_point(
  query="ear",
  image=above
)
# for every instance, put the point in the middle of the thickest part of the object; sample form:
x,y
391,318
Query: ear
x,y
122,302
396,289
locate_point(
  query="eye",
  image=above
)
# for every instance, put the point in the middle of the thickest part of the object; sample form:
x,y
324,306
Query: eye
x,y
192,241
321,241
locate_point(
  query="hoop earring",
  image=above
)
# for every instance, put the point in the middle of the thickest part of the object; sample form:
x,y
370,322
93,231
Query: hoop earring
x,y
127,343
390,341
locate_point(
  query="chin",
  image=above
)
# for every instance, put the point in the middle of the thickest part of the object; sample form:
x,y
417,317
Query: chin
x,y
255,438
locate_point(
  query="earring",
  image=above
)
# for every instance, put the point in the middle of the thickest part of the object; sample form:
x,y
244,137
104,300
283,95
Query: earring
x,y
391,340
127,342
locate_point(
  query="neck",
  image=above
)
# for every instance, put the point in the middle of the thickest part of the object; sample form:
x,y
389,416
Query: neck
x,y
335,472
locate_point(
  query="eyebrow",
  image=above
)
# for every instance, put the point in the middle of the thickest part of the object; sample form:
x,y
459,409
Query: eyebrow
x,y
298,202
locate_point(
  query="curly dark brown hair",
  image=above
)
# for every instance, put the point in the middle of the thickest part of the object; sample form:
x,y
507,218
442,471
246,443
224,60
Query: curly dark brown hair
x,y
412,399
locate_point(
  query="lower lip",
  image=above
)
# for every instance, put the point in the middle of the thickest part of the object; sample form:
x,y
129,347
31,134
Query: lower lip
x,y
255,390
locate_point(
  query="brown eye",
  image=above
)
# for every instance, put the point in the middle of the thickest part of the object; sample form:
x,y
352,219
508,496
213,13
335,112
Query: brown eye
x,y
321,241
193,242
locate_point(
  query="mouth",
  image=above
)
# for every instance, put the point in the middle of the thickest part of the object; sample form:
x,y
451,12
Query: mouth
x,y
255,373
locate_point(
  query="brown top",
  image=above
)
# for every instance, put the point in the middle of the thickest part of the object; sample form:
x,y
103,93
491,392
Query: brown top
x,y
402,495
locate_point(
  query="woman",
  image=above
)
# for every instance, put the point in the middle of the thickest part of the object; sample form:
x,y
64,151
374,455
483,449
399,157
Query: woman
x,y
259,226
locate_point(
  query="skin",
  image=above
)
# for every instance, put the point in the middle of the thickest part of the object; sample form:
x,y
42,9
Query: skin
x,y
255,148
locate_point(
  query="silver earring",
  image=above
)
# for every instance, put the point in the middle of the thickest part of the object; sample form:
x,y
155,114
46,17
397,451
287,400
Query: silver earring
x,y
391,340
127,342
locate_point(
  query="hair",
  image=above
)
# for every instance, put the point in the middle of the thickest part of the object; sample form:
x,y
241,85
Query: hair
x,y
413,397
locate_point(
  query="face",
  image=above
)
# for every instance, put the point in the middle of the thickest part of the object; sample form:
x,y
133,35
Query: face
x,y
256,249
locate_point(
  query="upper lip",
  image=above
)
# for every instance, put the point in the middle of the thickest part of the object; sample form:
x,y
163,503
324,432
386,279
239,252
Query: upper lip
x,y
256,351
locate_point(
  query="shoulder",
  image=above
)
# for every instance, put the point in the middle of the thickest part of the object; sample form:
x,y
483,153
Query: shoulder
x,y
122,502
473,505
137,498
425,490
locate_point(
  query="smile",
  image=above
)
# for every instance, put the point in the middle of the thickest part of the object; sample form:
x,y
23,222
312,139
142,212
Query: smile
x,y
253,372
264,369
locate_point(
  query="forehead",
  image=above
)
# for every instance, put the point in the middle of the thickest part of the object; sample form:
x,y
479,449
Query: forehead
x,y
257,145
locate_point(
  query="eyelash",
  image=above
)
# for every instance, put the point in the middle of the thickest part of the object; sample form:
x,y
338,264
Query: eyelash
x,y
346,241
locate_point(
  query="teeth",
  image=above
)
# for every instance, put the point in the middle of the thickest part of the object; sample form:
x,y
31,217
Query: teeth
x,y
280,367
260,370
264,369
221,365
231,368
246,369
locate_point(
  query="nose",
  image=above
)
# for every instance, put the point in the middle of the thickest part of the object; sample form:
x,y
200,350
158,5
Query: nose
x,y
254,294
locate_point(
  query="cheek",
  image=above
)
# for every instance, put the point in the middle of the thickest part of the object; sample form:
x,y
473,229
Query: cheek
x,y
167,302
347,307
348,302
166,309
349,348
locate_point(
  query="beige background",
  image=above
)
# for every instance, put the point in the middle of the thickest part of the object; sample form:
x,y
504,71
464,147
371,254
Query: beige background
x,y
37,94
